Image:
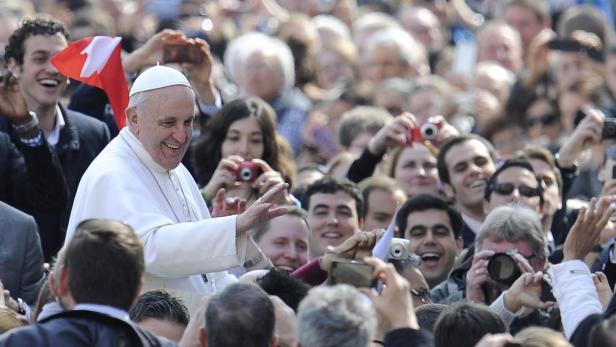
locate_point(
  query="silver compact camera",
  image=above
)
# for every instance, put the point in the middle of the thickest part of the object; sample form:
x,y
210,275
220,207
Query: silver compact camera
x,y
399,250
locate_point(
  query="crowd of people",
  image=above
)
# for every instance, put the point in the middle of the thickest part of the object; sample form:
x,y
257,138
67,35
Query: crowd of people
x,y
273,148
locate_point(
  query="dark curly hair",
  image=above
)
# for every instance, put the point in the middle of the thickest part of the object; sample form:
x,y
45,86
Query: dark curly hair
x,y
28,28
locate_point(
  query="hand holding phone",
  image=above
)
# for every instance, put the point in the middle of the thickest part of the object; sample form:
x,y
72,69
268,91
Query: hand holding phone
x,y
352,272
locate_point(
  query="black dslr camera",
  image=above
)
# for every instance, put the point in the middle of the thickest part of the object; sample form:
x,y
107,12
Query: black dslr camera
x,y
503,268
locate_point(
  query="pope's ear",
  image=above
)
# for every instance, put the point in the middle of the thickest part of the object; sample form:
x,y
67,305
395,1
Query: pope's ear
x,y
131,116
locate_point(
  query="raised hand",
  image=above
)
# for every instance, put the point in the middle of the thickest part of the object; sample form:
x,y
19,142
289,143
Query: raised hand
x,y
395,133
152,51
394,303
586,231
223,176
603,288
222,206
200,75
358,246
587,132
269,179
526,292
262,210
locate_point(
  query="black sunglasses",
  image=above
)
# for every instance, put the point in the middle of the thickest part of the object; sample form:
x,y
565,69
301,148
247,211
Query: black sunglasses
x,y
545,119
507,188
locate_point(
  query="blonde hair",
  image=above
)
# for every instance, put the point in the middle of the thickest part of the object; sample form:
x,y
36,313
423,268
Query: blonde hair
x,y
541,337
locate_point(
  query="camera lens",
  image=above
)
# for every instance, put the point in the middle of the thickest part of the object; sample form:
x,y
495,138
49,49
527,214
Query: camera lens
x,y
397,251
502,268
246,174
429,131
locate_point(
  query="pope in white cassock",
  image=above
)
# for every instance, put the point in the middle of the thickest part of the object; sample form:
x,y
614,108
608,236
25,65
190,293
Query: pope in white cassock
x,y
138,179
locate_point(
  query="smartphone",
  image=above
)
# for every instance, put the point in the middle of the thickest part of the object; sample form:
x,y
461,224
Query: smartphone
x,y
575,46
182,53
355,273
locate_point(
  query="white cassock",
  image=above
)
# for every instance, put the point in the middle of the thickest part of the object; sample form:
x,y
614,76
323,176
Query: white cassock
x,y
181,240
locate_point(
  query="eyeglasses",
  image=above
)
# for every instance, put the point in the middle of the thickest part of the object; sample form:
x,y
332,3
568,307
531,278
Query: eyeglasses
x,y
507,188
545,119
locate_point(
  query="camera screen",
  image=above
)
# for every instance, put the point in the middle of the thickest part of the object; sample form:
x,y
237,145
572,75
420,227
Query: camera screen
x,y
353,273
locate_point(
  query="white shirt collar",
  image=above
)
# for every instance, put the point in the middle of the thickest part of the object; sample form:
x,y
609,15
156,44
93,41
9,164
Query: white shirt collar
x,y
104,309
54,136
473,224
136,145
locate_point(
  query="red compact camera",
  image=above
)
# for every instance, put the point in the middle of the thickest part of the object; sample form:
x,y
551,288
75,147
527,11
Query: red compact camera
x,y
426,132
247,172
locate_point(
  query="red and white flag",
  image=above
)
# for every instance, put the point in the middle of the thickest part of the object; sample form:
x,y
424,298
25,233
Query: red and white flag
x,y
96,61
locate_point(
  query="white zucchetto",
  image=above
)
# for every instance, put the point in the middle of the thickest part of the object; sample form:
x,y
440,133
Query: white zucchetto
x,y
156,77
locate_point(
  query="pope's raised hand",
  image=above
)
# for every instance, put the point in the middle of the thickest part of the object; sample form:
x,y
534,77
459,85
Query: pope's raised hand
x,y
262,210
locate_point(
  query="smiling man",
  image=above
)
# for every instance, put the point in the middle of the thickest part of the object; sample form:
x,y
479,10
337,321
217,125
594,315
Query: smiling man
x,y
434,230
139,179
382,197
76,139
335,210
284,240
465,163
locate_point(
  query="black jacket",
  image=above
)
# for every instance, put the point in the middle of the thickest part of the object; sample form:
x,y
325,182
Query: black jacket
x,y
81,139
408,337
31,178
78,328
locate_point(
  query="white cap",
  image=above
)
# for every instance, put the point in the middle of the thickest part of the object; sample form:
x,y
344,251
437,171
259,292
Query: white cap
x,y
156,77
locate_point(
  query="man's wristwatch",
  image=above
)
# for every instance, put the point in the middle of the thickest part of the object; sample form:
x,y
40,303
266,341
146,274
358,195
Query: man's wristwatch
x,y
573,166
31,124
